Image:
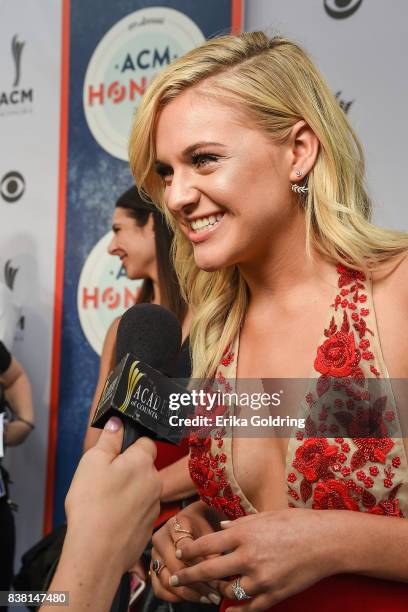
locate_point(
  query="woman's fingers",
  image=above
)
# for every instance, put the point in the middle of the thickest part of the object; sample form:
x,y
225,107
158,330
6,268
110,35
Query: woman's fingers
x,y
161,590
162,584
227,588
208,570
257,604
211,544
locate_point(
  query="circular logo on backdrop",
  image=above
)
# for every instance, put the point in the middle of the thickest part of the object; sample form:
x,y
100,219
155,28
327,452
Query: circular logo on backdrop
x,y
104,293
340,9
12,186
130,54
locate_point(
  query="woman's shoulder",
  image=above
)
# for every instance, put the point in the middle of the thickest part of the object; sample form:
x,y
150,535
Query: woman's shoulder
x,y
391,276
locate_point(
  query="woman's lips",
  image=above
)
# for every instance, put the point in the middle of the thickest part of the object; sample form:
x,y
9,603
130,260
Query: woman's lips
x,y
204,234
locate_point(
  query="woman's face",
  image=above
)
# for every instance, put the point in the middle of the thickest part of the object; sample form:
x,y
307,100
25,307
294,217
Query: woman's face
x,y
226,183
135,246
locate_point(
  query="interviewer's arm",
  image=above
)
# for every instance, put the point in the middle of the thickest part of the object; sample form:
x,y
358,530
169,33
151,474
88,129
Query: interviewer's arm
x,y
111,506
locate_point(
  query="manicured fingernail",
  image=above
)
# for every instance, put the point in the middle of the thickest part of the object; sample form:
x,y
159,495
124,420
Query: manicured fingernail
x,y
173,581
204,600
214,598
113,424
179,553
224,523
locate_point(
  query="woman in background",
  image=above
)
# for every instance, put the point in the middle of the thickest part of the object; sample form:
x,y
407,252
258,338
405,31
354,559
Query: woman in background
x,y
142,241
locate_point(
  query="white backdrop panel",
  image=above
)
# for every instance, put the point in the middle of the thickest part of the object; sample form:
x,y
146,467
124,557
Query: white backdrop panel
x,y
29,136
364,57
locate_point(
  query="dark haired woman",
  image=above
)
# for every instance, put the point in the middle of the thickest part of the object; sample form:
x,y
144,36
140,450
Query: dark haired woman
x,y
142,240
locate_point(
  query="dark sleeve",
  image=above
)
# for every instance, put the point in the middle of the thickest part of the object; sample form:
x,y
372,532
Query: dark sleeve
x,y
5,358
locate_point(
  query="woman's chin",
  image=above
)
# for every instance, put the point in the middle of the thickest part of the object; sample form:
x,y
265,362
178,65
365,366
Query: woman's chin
x,y
210,263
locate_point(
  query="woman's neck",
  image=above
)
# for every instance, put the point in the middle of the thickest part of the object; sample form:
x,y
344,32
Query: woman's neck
x,y
285,268
156,292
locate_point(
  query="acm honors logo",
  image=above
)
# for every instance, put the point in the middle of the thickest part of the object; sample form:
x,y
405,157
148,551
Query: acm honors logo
x,y
16,99
341,9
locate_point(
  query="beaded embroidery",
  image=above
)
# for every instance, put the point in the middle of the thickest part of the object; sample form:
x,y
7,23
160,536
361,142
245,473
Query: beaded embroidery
x,y
351,471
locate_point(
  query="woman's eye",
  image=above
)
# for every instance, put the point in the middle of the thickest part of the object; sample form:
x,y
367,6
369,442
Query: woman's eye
x,y
164,172
203,159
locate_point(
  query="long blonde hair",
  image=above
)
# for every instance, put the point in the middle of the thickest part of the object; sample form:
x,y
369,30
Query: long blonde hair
x,y
276,84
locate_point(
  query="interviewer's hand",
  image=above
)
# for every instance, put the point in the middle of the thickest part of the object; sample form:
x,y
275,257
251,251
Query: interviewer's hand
x,y
115,497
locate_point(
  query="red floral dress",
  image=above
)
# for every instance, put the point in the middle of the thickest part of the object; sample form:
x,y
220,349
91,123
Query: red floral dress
x,y
349,456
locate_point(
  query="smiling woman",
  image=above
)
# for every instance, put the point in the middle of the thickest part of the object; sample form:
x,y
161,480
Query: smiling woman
x,y
246,150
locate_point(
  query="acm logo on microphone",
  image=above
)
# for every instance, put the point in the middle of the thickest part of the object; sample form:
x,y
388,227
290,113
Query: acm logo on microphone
x,y
17,100
341,9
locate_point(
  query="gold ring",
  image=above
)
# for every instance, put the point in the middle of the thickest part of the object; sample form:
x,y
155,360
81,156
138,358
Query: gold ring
x,y
186,535
178,528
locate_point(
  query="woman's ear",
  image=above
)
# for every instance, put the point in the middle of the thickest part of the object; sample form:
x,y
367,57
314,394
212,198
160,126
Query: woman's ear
x,y
304,148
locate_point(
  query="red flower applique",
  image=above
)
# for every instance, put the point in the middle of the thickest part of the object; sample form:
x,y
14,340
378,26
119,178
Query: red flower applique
x,y
333,495
338,355
314,458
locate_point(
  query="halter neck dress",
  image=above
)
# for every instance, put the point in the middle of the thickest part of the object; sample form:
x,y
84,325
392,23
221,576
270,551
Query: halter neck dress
x,y
349,456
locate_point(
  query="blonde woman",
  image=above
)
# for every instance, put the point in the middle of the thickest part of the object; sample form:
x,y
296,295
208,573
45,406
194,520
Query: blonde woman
x,y
247,151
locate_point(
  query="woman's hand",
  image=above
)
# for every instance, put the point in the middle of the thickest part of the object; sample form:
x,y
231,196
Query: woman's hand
x,y
275,554
196,520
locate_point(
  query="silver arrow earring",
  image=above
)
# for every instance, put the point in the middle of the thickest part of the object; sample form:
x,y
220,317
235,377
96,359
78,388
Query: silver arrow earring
x,y
298,188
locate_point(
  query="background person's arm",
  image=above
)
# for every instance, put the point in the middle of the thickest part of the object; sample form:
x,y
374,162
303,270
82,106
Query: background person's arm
x,y
176,481
18,393
107,363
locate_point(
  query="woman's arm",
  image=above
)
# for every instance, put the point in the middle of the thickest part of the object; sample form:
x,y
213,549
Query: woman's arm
x,y
18,393
176,481
107,363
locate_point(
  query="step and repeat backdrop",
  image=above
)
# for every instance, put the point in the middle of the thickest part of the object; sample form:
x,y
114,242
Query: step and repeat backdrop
x,y
71,75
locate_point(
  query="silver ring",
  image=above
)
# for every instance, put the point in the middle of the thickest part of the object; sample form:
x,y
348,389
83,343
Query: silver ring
x,y
239,592
157,566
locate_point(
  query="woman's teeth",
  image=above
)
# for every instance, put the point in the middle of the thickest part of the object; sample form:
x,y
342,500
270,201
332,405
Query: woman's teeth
x,y
201,224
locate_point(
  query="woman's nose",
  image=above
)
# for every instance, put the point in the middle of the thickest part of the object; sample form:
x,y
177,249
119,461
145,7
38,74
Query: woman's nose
x,y
181,195
112,246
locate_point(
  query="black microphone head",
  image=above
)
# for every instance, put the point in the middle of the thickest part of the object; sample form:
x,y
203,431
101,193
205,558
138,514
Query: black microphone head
x,y
152,334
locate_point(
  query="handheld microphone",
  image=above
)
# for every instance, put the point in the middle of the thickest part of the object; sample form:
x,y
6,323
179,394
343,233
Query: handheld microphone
x,y
138,389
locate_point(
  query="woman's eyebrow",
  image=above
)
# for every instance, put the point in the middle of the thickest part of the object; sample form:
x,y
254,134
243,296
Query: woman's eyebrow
x,y
188,150
197,145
